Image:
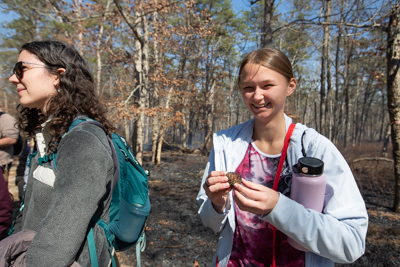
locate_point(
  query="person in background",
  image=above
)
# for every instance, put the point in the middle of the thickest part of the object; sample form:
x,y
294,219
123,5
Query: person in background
x,y
55,87
8,137
5,207
22,169
245,215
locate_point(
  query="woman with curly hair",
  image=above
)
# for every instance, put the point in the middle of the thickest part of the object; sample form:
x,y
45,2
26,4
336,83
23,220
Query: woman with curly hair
x,y
55,87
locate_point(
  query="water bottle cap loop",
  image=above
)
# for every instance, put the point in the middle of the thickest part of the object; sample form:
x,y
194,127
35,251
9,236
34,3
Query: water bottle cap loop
x,y
309,166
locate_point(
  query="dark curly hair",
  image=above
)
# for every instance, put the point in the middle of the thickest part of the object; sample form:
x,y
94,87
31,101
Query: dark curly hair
x,y
76,92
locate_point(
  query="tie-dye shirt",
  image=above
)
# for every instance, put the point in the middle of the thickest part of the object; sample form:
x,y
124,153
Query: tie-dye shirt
x,y
253,238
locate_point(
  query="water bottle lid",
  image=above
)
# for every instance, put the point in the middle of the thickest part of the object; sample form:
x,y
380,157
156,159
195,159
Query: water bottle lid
x,y
310,166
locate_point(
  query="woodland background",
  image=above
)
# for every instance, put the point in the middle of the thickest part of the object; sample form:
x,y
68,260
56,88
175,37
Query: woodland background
x,y
167,69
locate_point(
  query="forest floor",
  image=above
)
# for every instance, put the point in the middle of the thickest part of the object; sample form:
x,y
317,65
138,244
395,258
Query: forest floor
x,y
176,236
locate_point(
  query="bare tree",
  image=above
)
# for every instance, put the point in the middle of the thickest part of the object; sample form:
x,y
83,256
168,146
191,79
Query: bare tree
x,y
98,47
266,27
393,87
325,70
139,27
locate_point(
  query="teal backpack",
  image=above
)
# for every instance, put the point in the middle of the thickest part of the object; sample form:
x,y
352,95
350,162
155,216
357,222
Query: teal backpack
x,y
130,204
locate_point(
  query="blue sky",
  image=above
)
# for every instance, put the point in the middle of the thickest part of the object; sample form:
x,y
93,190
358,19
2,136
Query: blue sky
x,y
238,5
5,17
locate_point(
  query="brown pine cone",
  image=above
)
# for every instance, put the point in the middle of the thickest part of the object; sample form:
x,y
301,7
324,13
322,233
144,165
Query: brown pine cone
x,y
233,178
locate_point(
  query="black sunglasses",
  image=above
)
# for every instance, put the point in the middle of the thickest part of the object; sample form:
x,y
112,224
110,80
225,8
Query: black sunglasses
x,y
19,70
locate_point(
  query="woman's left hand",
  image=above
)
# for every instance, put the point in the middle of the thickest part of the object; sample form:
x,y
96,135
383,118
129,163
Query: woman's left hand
x,y
255,198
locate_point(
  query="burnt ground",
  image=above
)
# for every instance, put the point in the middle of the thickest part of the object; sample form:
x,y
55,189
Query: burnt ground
x,y
175,234
176,237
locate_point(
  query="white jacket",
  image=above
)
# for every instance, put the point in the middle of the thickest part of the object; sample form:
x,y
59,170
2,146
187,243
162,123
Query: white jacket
x,y
335,235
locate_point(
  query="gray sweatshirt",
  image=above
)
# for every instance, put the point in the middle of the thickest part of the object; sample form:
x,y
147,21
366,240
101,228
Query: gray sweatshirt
x,y
59,208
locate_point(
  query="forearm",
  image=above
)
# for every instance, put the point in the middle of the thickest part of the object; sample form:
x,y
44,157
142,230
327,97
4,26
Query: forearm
x,y
211,218
7,141
339,239
208,214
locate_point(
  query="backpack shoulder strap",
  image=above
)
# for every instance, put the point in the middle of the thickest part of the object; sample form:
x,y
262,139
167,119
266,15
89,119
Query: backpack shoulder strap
x,y
303,151
96,218
52,157
110,142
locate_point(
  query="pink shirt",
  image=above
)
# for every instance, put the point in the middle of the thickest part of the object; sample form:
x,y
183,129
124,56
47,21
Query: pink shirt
x,y
252,240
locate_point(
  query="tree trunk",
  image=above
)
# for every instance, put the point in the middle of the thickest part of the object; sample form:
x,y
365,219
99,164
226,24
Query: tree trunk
x,y
77,4
193,126
163,127
329,116
159,144
231,88
185,129
266,34
127,129
393,87
386,142
98,49
139,27
210,116
324,70
137,138
384,123
350,101
355,116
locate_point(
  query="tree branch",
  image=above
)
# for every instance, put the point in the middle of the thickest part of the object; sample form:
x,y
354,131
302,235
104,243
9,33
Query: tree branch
x,y
130,23
130,96
369,23
373,159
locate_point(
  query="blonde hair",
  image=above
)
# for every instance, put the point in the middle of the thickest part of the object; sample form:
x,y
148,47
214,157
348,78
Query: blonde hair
x,y
268,57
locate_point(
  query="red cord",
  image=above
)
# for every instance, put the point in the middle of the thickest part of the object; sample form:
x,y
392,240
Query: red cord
x,y
276,182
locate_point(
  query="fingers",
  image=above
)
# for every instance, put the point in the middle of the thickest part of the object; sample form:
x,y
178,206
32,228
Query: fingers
x,y
216,181
216,187
251,190
217,173
242,202
255,198
252,185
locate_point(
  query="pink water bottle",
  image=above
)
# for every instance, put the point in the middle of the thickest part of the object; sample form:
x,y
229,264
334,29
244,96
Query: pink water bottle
x,y
308,187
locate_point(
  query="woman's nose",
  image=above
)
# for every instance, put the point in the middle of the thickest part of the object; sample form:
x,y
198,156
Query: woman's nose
x,y
258,93
13,79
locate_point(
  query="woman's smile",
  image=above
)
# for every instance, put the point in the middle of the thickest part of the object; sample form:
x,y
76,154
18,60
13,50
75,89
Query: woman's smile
x,y
261,105
264,91
36,85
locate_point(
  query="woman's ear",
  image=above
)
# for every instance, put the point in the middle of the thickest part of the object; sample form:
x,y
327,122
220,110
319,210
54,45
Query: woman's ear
x,y
291,86
57,76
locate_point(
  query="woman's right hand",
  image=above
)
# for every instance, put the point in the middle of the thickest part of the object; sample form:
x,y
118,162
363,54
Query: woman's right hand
x,y
217,189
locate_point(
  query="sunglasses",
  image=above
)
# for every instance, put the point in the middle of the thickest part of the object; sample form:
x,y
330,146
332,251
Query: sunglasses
x,y
19,68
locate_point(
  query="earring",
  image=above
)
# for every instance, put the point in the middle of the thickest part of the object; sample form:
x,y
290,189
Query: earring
x,y
58,90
